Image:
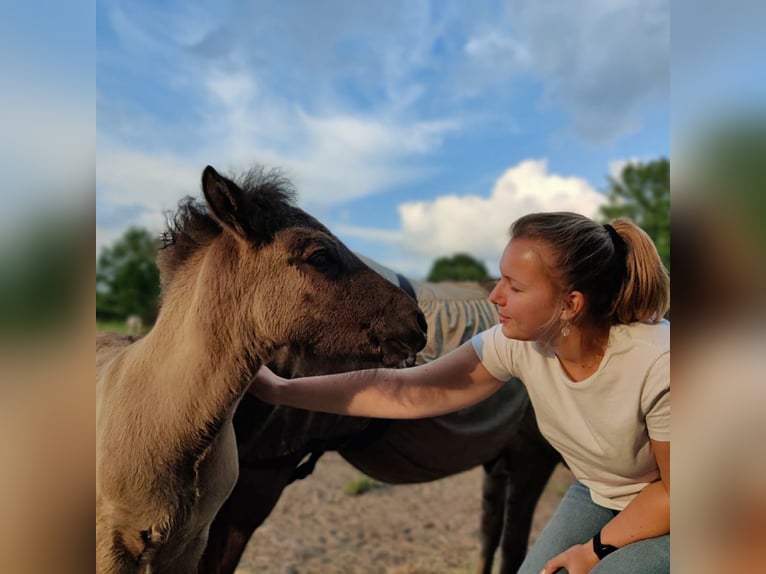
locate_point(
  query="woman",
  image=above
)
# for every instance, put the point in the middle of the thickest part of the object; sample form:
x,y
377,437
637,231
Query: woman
x,y
581,323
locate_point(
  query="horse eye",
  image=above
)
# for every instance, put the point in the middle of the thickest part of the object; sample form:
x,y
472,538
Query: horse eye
x,y
319,259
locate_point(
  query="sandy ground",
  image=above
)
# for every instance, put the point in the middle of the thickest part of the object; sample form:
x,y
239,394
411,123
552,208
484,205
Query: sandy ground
x,y
430,528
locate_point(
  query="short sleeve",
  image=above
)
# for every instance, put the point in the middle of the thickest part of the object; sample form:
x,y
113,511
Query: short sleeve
x,y
494,352
655,400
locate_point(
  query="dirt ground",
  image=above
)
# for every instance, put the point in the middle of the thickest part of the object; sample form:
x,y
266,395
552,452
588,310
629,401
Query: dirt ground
x,y
430,528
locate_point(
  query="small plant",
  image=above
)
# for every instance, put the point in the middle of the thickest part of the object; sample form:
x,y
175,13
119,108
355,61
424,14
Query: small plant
x,y
360,485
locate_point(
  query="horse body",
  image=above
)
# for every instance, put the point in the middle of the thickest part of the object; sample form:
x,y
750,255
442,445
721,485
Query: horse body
x,y
245,279
421,450
499,433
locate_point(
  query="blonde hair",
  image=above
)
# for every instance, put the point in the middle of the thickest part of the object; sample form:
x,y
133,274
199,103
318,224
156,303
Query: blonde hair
x,y
618,271
645,293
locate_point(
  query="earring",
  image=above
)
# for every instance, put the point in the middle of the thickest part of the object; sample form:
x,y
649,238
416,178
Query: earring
x,y
565,328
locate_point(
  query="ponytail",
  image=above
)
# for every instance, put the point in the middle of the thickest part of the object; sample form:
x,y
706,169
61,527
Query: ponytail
x,y
645,291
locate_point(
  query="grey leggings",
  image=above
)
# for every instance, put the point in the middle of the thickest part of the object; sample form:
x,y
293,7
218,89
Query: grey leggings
x,y
576,520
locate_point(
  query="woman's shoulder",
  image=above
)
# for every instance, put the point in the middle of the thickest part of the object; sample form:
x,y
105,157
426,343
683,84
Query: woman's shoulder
x,y
648,336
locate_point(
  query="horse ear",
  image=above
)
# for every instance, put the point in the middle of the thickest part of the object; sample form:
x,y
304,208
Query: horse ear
x,y
225,199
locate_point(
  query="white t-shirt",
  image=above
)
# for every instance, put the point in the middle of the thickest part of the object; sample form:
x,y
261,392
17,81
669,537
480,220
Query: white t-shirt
x,y
601,425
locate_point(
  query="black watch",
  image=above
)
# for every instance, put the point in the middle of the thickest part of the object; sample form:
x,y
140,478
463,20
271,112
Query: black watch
x,y
602,550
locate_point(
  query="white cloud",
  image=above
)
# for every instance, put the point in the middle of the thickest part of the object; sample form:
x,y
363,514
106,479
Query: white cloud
x,y
330,158
601,60
368,233
479,225
498,48
475,224
131,177
345,157
617,165
149,184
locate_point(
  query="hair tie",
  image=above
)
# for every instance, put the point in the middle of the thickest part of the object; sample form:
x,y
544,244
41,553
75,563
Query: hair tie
x,y
620,250
619,242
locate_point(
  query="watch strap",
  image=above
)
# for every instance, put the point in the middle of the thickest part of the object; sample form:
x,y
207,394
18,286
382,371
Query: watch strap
x,y
602,550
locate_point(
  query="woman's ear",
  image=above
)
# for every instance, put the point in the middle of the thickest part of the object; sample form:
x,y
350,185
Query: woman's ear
x,y
573,305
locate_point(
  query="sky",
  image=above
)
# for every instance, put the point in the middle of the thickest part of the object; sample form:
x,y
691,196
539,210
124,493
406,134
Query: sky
x,y
412,129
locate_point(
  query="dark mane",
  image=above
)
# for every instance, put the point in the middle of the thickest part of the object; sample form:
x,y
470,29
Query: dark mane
x,y
269,194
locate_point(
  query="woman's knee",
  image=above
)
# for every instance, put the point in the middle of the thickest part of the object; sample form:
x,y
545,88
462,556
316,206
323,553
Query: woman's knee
x,y
576,519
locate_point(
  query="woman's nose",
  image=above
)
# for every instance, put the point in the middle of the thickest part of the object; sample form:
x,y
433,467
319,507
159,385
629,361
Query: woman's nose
x,y
494,296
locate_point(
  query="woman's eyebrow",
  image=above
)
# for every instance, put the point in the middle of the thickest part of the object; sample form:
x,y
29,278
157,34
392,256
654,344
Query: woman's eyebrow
x,y
510,278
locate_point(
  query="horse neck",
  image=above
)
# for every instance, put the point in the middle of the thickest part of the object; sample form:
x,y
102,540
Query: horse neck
x,y
194,361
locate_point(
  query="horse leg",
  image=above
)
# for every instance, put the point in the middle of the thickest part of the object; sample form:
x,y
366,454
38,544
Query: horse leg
x,y
494,489
249,504
522,496
530,463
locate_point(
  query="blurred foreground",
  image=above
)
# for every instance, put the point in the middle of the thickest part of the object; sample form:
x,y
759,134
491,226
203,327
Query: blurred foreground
x,y
719,355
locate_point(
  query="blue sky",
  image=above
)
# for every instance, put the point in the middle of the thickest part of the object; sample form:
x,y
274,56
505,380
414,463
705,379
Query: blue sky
x,y
411,129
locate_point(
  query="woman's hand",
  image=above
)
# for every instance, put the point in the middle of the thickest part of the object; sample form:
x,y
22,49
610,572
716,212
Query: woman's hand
x,y
265,386
578,559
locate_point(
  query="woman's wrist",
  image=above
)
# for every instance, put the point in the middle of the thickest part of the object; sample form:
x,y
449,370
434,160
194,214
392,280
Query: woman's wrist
x,y
275,389
590,555
600,549
267,386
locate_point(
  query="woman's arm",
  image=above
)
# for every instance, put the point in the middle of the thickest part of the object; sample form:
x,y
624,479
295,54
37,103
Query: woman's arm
x,y
451,382
647,516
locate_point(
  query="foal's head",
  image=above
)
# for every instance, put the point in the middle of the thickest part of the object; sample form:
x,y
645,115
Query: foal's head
x,y
276,281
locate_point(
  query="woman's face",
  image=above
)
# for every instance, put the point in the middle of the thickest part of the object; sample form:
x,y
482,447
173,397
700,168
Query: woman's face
x,y
525,295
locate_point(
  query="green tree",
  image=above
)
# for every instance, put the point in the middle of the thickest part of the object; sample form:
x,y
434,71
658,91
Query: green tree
x,y
642,193
459,267
127,278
